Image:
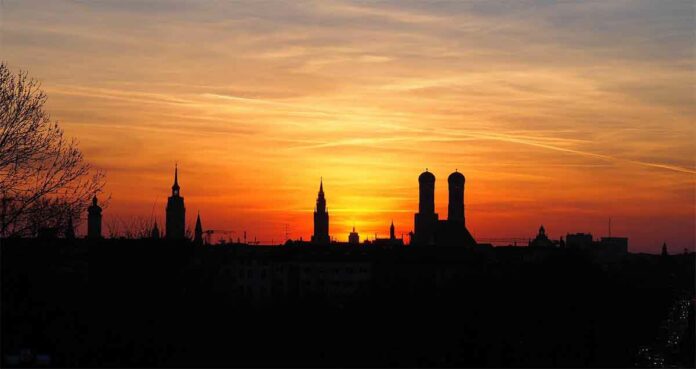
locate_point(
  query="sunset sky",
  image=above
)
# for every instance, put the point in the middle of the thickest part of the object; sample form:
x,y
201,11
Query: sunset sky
x,y
558,113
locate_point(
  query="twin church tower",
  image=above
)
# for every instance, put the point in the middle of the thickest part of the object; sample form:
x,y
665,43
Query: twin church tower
x,y
428,228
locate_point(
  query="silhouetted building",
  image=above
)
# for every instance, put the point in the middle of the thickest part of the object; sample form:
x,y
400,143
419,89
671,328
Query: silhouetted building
x,y
664,249
198,232
542,240
453,231
155,233
615,245
455,208
429,230
353,237
607,248
176,212
94,219
582,241
426,218
321,218
391,241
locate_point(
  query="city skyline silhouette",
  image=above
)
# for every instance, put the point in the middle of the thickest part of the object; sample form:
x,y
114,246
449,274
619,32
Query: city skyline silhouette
x,y
347,184
448,228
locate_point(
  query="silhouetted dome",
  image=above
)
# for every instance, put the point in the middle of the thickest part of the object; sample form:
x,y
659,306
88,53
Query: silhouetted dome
x,y
426,177
455,177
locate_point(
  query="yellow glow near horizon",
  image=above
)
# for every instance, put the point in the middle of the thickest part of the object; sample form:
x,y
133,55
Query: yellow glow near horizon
x,y
563,114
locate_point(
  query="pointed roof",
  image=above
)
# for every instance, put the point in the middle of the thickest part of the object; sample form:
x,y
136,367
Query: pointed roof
x,y
199,227
154,233
176,176
321,184
94,200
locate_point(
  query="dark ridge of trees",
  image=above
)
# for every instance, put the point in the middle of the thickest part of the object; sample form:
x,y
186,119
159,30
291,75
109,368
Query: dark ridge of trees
x,y
45,182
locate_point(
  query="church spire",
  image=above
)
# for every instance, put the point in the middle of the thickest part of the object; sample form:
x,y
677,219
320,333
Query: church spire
x,y
175,187
94,219
321,201
155,233
321,218
198,233
176,211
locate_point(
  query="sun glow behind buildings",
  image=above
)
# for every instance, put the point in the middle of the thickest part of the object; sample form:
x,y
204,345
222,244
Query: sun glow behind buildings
x,y
563,126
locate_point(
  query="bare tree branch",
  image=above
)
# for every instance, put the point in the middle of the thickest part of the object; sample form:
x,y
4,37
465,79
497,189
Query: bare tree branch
x,y
44,180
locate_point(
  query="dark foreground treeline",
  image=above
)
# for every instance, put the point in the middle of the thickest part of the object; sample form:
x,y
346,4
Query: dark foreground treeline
x,y
152,304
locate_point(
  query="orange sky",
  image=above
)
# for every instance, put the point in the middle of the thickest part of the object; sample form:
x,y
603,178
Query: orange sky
x,y
562,114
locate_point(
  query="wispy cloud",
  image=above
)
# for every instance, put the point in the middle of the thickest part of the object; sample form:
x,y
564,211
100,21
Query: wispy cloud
x,y
540,102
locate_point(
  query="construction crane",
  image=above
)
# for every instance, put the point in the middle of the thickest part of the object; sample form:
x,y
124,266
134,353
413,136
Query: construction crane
x,y
504,240
210,232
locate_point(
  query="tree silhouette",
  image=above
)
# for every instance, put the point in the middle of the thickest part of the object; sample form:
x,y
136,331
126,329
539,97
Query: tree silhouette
x,y
44,179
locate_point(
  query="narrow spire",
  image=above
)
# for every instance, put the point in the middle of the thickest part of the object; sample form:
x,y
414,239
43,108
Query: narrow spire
x,y
198,233
321,184
175,187
155,233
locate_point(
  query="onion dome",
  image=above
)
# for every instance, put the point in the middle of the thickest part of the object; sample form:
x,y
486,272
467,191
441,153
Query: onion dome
x,y
456,177
426,177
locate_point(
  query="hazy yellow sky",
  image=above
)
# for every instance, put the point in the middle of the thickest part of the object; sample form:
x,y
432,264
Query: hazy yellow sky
x,y
558,113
